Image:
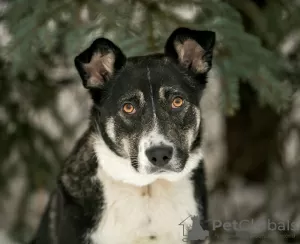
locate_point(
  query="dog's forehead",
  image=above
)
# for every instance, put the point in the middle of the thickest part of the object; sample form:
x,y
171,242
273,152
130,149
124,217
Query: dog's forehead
x,y
153,70
148,77
148,73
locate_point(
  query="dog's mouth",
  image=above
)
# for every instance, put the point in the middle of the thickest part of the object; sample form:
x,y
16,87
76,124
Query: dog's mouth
x,y
152,169
174,166
168,168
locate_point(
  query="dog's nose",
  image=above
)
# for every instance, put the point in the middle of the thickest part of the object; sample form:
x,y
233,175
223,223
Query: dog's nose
x,y
159,156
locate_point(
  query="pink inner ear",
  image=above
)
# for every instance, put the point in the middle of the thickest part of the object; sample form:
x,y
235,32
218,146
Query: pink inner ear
x,y
190,53
99,68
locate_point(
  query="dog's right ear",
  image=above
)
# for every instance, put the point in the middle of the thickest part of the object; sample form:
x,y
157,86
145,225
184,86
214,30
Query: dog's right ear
x,y
99,62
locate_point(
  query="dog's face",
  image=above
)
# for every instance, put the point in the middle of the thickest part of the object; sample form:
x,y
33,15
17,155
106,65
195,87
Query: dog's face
x,y
147,109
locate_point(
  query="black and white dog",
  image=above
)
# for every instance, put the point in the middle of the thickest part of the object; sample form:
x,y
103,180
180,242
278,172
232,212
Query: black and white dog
x,y
137,173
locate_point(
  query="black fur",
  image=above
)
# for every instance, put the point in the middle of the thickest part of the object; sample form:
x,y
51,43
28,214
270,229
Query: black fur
x,y
76,205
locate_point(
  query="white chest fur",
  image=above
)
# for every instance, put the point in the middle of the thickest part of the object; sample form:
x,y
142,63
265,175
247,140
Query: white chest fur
x,y
149,214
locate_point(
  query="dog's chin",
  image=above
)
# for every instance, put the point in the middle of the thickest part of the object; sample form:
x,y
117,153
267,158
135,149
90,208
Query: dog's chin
x,y
171,172
161,170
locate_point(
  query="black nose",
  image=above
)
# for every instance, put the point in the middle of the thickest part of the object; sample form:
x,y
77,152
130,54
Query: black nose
x,y
159,156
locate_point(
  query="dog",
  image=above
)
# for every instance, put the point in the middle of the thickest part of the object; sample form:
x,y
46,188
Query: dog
x,y
138,170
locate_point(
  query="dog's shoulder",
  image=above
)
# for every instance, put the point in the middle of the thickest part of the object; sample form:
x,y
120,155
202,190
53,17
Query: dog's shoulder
x,y
200,192
79,173
75,205
58,224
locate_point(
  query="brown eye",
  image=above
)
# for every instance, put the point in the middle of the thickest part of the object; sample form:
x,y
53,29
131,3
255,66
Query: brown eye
x,y
177,102
129,108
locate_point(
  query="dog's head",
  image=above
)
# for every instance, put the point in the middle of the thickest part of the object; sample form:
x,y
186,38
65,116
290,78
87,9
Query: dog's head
x,y
147,108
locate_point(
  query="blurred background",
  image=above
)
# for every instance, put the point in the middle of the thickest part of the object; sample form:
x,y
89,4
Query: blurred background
x,y
251,106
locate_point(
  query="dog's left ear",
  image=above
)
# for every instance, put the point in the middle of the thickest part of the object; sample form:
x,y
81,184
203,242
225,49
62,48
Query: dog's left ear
x,y
192,49
99,62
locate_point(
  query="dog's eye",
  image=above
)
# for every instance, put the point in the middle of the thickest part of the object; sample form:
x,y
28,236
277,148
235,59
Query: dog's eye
x,y
129,108
177,102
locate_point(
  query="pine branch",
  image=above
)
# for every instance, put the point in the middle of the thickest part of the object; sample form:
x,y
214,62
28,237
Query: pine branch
x,y
155,7
249,9
151,37
38,24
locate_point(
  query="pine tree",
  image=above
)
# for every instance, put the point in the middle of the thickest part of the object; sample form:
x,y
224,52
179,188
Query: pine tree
x,y
46,35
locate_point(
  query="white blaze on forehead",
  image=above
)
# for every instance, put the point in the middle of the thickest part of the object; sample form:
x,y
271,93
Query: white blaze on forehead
x,y
154,137
151,92
110,129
